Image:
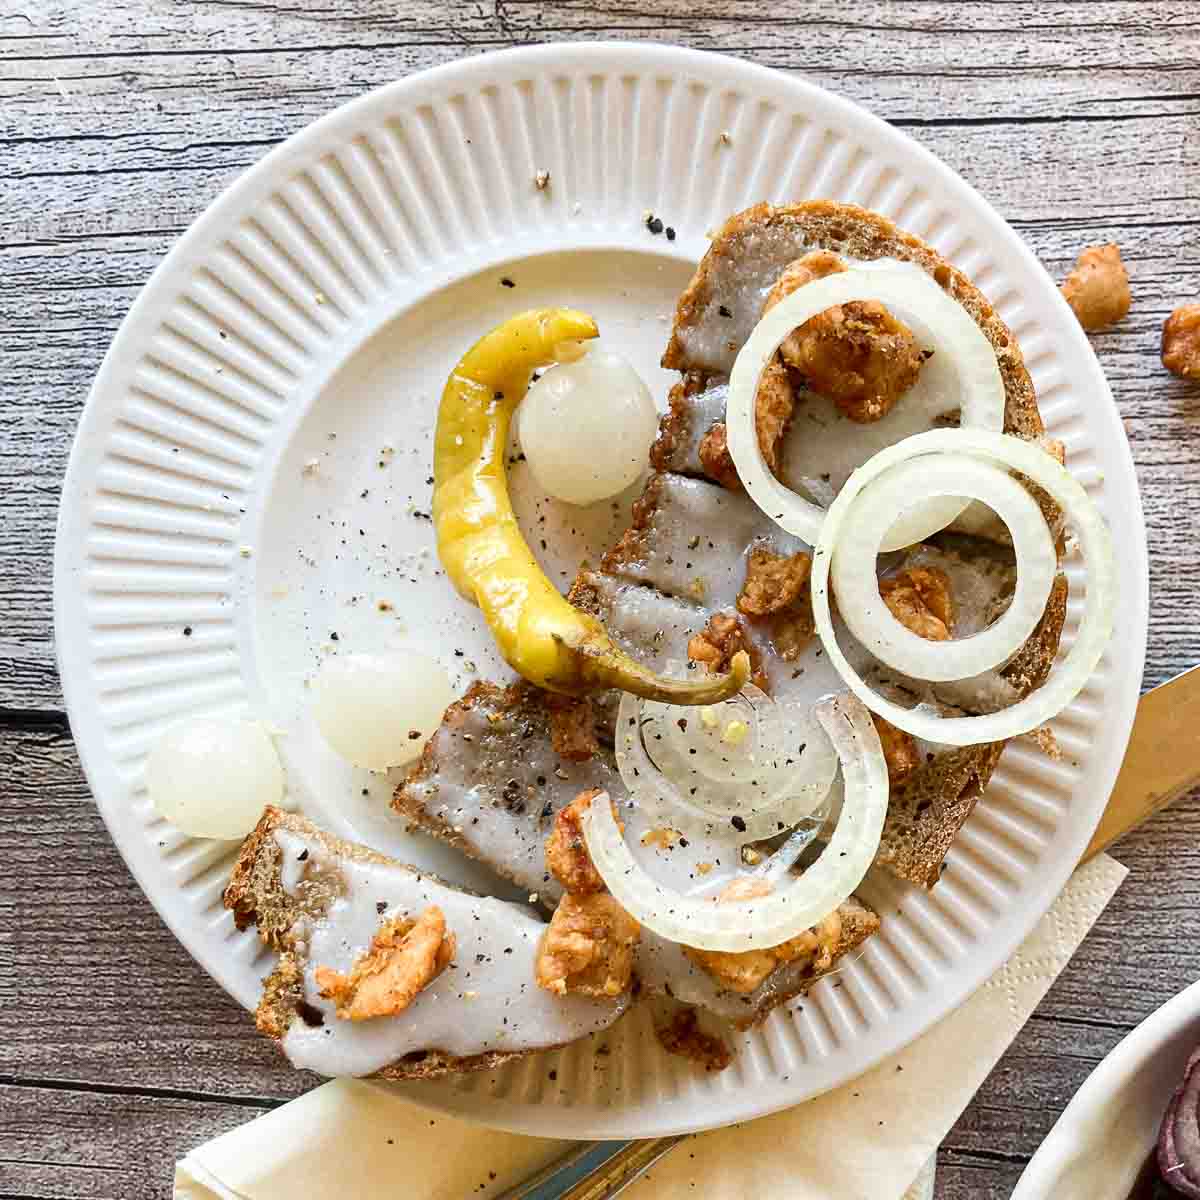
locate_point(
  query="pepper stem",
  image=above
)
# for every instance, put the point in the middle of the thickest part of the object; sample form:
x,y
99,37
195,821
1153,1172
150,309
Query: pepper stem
x,y
612,668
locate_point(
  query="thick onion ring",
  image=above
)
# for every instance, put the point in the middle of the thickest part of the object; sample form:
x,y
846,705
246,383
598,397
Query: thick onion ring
x,y
934,315
856,583
1068,676
786,911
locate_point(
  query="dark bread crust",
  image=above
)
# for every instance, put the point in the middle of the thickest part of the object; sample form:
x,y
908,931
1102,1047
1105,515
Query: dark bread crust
x,y
255,896
863,234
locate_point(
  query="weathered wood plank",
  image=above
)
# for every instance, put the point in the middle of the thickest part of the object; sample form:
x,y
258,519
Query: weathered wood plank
x,y
60,1142
992,57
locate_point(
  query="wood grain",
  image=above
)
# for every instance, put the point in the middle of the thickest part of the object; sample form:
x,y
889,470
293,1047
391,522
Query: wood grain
x,y
120,122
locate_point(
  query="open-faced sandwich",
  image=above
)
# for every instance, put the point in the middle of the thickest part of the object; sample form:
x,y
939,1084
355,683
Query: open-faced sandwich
x,y
840,594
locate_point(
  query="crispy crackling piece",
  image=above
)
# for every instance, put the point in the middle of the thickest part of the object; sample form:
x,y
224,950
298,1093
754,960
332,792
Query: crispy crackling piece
x,y
405,956
1098,288
1181,342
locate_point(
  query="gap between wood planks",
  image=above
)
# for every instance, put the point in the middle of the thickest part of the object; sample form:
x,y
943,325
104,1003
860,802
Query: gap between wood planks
x,y
263,1103
34,718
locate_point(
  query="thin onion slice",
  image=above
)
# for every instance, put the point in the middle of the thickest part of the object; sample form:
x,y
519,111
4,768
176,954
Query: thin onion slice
x,y
770,782
856,582
937,320
787,910
1068,676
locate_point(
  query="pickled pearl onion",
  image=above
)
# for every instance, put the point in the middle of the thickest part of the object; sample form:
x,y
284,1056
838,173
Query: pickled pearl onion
x,y
856,583
787,910
938,321
211,777
1068,675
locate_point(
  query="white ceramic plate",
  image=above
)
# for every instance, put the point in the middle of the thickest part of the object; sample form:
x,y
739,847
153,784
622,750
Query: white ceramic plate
x,y
312,313
1102,1140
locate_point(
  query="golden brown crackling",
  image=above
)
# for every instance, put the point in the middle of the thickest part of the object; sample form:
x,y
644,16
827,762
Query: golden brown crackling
x,y
867,235
1097,289
1181,342
919,598
857,354
405,956
857,923
795,627
572,727
588,948
567,855
716,459
744,971
773,583
777,590
721,638
774,404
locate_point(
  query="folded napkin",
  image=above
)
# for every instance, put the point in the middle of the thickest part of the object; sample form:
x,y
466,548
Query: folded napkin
x,y
870,1140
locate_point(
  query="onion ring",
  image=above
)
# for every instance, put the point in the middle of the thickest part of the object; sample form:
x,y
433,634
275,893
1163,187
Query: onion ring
x,y
786,911
776,779
937,319
1095,542
856,583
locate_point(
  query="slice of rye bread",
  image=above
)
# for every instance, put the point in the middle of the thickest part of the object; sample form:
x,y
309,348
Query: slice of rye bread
x,y
489,781
789,231
857,922
771,236
256,896
504,719
927,810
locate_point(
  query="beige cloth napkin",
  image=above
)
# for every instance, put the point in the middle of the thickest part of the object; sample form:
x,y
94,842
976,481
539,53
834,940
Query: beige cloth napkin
x,y
869,1140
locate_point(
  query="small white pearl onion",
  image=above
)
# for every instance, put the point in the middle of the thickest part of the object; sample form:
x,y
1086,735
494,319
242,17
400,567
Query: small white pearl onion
x,y
212,777
378,710
586,427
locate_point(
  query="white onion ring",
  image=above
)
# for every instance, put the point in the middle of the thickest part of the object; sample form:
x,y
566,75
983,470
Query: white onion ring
x,y
789,775
789,910
856,582
934,316
1067,677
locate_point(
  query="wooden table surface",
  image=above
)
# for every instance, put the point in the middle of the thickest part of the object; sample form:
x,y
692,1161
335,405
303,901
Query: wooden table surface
x,y
120,121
